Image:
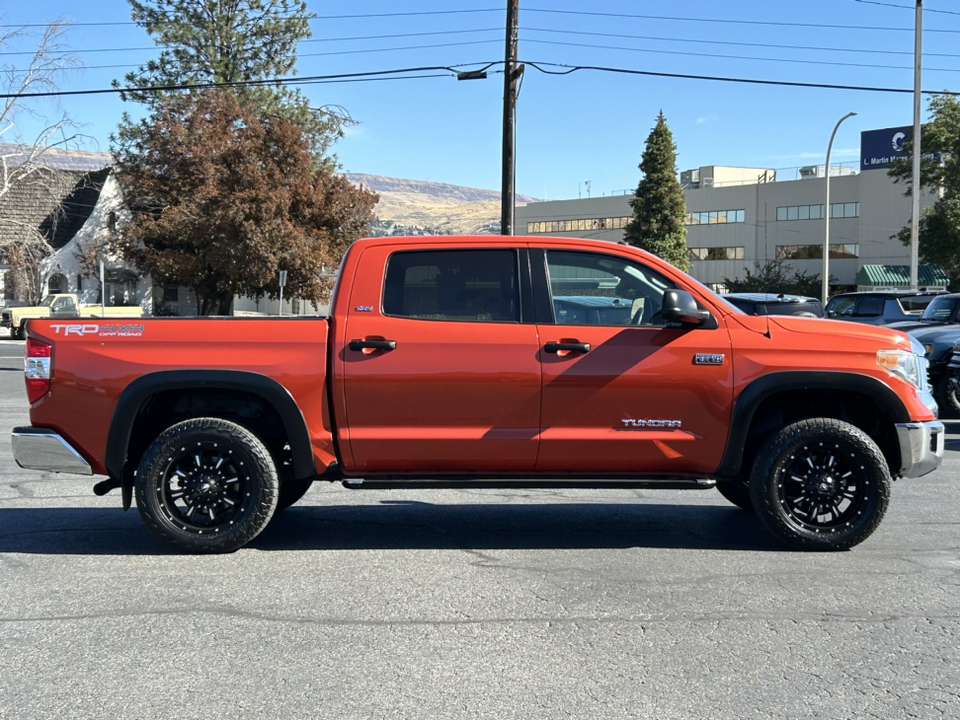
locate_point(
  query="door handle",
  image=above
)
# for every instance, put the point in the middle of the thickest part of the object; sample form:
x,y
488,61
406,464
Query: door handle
x,y
373,345
556,347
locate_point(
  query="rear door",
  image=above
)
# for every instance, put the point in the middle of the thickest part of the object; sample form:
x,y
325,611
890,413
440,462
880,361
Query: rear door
x,y
622,393
440,376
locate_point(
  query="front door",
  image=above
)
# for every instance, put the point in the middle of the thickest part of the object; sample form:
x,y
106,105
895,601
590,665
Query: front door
x,y
621,391
441,377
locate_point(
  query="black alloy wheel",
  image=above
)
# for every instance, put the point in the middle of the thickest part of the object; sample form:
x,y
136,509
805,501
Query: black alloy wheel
x,y
206,486
821,484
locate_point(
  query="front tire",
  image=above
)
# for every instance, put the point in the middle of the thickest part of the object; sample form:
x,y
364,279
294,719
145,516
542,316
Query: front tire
x,y
821,484
16,333
207,486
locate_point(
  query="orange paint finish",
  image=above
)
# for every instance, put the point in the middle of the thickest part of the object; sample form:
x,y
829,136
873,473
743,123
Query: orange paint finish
x,y
423,396
91,372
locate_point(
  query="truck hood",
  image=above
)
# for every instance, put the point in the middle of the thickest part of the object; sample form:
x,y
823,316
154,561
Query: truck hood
x,y
841,329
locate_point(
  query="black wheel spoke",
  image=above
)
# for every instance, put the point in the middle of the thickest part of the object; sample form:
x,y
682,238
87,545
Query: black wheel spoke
x,y
823,488
204,488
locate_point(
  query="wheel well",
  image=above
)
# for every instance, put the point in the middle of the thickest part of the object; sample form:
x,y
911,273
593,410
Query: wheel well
x,y
789,406
246,409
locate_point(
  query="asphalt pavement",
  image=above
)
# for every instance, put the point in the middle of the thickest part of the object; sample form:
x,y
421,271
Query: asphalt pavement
x,y
462,604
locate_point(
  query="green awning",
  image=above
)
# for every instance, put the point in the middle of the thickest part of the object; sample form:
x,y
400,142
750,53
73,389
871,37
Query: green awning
x,y
899,276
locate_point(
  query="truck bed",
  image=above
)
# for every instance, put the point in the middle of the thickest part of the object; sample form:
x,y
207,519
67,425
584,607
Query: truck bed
x,y
96,362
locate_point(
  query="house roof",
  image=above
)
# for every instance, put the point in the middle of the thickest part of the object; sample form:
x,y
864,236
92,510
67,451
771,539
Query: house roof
x,y
57,158
899,275
55,203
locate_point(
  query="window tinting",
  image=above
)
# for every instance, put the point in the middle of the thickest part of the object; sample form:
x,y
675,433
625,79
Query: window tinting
x,y
460,285
870,307
597,289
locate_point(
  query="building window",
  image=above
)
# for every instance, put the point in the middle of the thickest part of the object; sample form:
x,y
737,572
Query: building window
x,y
716,253
815,212
715,217
815,252
171,293
579,225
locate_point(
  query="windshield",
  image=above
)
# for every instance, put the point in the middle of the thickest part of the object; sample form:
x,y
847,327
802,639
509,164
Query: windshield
x,y
48,301
940,309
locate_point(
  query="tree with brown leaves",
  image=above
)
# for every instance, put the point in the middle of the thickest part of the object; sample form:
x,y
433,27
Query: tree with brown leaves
x,y
224,196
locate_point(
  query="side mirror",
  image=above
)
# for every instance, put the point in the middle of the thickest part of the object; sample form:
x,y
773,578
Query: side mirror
x,y
680,307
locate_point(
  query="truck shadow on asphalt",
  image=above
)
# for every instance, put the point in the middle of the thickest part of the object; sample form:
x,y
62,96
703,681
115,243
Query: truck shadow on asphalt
x,y
404,525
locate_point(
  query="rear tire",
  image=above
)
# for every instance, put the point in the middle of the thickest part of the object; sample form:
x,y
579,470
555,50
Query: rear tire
x,y
207,486
821,484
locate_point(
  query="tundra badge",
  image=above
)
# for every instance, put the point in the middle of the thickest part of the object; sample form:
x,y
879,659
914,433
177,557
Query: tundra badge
x,y
708,359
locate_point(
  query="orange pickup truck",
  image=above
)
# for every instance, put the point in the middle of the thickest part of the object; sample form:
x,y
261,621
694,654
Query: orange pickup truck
x,y
485,362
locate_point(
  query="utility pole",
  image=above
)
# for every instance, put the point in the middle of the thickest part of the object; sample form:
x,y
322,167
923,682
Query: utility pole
x,y
915,222
510,75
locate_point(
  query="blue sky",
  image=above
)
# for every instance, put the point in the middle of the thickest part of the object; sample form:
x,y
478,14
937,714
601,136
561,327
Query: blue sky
x,y
586,125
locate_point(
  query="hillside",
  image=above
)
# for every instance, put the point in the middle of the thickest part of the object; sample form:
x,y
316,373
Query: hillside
x,y
415,207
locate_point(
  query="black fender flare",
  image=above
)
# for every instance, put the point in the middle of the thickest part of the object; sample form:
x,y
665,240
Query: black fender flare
x,y
746,404
272,392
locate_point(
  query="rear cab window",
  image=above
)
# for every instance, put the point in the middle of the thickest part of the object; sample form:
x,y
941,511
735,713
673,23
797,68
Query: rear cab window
x,y
453,285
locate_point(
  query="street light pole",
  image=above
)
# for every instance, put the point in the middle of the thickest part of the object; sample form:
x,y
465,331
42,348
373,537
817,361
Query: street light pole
x,y
915,207
825,279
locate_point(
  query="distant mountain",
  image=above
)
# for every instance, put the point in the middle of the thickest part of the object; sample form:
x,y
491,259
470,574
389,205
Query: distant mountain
x,y
415,207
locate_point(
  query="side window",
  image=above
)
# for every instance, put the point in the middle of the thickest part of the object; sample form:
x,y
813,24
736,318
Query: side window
x,y
870,307
839,307
597,289
459,285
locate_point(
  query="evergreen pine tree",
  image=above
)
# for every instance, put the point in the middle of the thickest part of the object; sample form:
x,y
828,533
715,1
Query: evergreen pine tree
x,y
659,208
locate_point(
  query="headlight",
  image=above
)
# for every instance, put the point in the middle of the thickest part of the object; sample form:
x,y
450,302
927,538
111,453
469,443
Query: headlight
x,y
905,365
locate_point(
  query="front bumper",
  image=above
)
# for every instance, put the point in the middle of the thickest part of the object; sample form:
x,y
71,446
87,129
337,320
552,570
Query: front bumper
x,y
42,449
921,447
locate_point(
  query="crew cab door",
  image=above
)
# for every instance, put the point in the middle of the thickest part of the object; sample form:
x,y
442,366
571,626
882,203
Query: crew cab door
x,y
440,376
622,393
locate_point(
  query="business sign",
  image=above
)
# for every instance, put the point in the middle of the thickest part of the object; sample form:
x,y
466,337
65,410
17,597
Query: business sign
x,y
879,148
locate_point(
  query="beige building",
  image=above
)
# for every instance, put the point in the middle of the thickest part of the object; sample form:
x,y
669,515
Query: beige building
x,y
740,216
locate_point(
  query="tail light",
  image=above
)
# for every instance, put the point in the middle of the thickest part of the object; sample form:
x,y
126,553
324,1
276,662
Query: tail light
x,y
37,368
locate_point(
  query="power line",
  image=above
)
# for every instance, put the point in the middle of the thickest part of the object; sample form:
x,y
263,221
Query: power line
x,y
310,40
247,83
907,7
735,22
568,69
537,65
738,57
739,44
315,17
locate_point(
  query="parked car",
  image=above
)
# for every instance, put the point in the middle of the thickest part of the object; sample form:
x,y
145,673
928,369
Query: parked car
x,y
591,310
937,330
773,304
941,310
445,363
881,307
63,306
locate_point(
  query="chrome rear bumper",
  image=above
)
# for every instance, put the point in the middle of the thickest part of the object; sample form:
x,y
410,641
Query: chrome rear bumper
x,y
42,449
921,447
